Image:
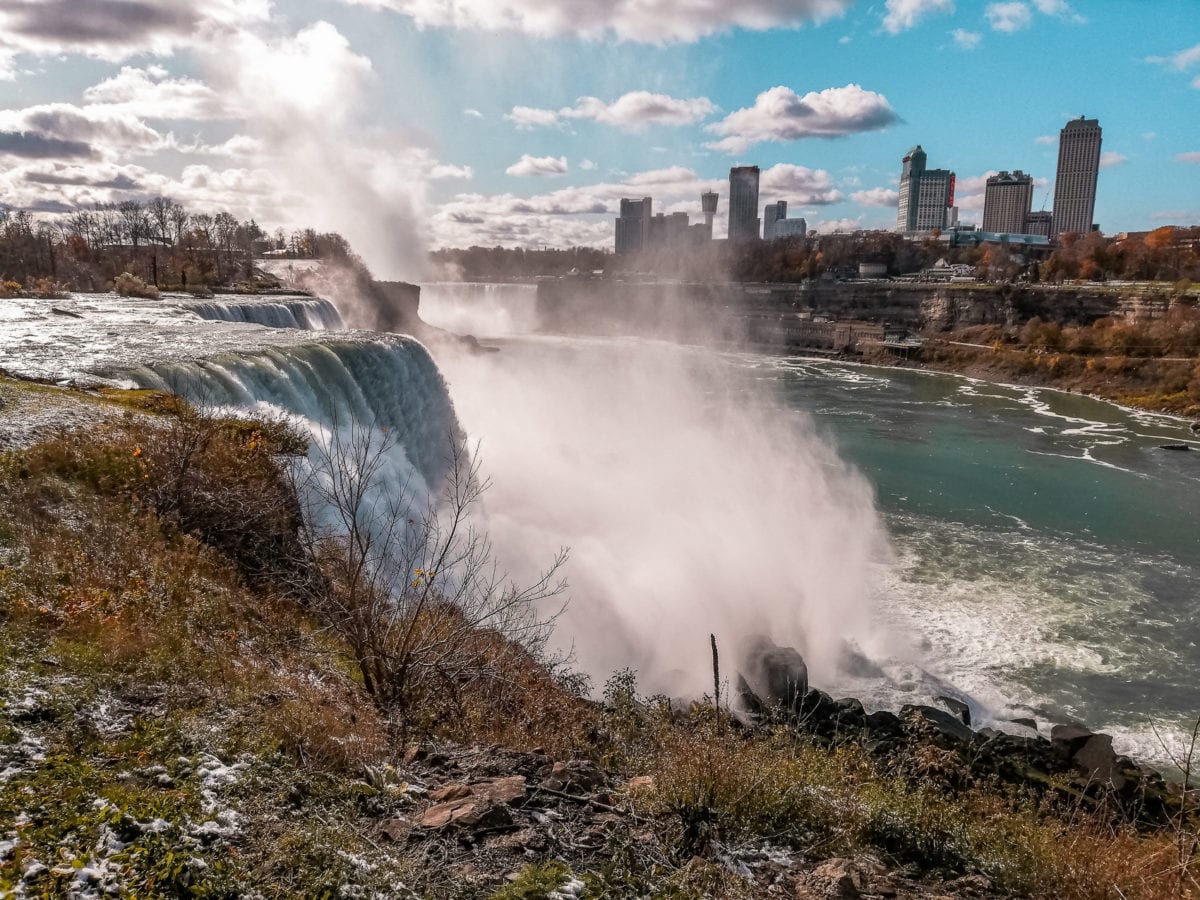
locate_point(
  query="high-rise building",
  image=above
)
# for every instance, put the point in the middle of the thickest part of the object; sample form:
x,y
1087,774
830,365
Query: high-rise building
x,y
1040,223
633,226
1078,171
925,194
774,212
667,230
743,203
1007,201
708,205
790,228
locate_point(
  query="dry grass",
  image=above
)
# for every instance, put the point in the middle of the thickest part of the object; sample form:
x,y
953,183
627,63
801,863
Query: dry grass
x,y
722,786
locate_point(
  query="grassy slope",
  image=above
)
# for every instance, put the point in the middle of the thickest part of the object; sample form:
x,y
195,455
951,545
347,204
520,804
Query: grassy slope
x,y
173,722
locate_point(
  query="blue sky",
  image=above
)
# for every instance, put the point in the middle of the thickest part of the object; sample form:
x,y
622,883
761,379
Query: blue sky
x,y
436,122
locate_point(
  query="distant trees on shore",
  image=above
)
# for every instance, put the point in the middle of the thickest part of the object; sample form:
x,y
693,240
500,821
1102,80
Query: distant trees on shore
x,y
159,241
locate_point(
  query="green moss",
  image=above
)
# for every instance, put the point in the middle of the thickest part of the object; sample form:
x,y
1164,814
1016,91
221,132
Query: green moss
x,y
535,882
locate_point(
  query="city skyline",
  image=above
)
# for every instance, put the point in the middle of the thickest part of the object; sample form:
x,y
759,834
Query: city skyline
x,y
512,123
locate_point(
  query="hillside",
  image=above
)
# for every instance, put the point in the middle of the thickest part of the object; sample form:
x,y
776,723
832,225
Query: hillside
x,y
198,698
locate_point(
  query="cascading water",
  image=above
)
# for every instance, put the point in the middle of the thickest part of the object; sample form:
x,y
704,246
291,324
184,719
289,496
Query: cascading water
x,y
389,384
308,314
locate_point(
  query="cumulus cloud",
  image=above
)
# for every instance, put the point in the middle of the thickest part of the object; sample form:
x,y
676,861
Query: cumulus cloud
x,y
966,40
643,21
118,29
1008,17
881,197
1045,139
587,165
151,93
445,170
538,166
1190,157
779,114
838,226
527,118
1181,61
38,146
1060,8
108,132
1110,158
800,186
902,15
631,112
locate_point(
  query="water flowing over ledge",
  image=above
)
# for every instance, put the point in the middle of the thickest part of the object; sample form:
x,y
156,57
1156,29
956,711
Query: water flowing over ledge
x,y
304,313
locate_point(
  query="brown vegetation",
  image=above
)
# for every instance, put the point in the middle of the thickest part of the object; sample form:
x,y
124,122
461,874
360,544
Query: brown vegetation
x,y
164,566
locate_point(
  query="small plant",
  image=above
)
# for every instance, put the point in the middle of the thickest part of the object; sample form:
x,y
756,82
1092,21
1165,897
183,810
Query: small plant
x,y
127,285
9,289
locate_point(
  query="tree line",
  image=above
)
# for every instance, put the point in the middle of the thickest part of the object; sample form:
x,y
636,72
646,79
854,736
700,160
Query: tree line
x,y
158,240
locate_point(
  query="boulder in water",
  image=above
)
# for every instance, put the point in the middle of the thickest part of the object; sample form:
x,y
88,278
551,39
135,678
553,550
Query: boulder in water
x,y
773,675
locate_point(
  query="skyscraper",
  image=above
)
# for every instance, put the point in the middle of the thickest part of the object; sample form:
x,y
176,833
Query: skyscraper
x,y
1007,201
633,226
743,203
774,212
925,194
708,205
1078,170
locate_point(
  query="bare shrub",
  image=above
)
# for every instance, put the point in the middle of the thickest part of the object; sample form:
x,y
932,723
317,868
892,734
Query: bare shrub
x,y
431,622
128,285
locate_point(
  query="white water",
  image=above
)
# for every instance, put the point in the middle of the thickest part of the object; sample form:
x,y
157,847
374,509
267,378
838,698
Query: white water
x,y
689,506
304,313
483,310
390,384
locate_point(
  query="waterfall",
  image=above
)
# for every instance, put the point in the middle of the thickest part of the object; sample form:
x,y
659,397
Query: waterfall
x,y
387,383
484,310
305,313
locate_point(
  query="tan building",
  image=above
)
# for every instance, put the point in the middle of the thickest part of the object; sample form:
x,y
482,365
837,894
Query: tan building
x,y
1078,170
1007,201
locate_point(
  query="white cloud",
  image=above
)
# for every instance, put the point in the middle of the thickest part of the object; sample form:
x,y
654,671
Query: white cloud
x,y
1008,17
151,93
800,186
538,166
966,40
902,15
631,112
104,132
238,146
472,114
587,165
837,226
119,29
527,118
1110,158
643,21
1191,157
1045,139
779,114
445,170
1181,61
637,109
1060,8
876,197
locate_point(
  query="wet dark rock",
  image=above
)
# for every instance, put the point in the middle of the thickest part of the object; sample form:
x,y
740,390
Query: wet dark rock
x,y
1097,760
958,708
940,722
1070,738
884,724
774,674
1027,723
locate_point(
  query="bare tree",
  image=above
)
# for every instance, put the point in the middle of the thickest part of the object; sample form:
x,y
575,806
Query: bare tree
x,y
413,589
133,218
